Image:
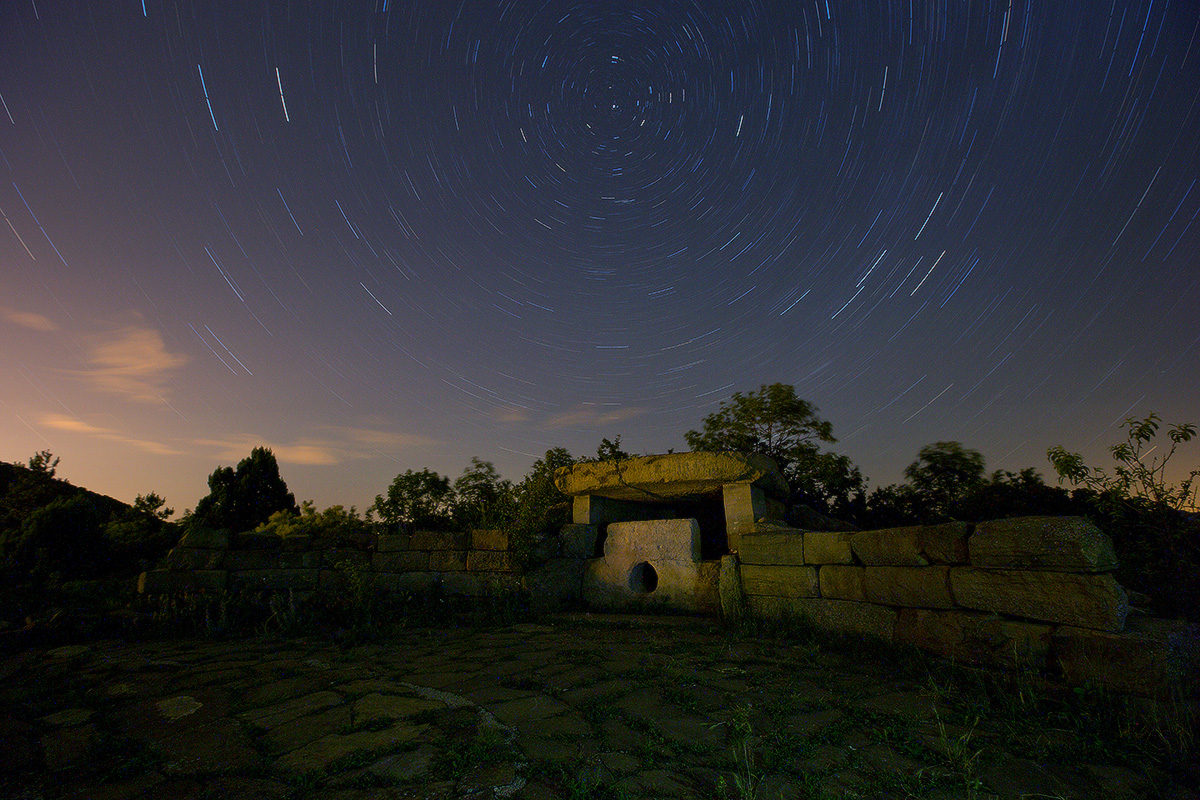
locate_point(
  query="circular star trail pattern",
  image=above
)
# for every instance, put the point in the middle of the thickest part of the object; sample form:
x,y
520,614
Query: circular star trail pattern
x,y
511,226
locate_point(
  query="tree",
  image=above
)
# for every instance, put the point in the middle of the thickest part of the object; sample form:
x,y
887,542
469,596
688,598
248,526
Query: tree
x,y
153,505
242,499
772,421
416,500
482,498
1152,521
44,462
334,525
64,538
943,474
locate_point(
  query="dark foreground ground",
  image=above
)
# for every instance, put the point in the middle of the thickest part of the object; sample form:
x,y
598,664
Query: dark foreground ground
x,y
572,707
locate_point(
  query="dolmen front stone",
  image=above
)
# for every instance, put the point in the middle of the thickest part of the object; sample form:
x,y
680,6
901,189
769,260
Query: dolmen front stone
x,y
655,515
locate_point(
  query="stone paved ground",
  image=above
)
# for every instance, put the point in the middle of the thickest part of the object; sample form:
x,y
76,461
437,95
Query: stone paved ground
x,y
576,707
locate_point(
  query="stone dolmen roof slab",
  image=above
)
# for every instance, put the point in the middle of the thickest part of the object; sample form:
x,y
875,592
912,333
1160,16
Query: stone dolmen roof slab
x,y
670,476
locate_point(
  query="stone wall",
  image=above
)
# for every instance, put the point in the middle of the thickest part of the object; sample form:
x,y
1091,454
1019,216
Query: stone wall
x,y
472,563
1032,592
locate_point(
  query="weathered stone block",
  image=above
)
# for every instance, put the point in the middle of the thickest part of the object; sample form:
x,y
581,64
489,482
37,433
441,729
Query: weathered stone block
x,y
945,543
776,581
343,559
448,560
1086,601
1069,544
407,582
256,540
401,561
592,509
974,637
778,548
708,590
623,584
841,582
663,477
654,540
274,579
489,539
556,583
438,540
480,584
827,547
205,538
744,502
897,547
297,542
251,559
490,561
729,588
843,616
192,558
392,542
160,581
914,587
1151,656
310,559
579,541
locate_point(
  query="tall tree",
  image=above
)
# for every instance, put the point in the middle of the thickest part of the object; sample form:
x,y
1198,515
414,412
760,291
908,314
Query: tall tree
x,y
242,499
416,500
944,473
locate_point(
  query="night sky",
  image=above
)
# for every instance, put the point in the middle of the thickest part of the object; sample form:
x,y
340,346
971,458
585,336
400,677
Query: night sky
x,y
393,235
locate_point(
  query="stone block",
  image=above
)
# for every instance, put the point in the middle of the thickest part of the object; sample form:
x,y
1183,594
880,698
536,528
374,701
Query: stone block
x,y
775,548
654,540
480,584
345,558
664,477
161,581
556,583
1086,601
890,547
945,543
827,547
448,560
913,587
1149,657
406,582
617,585
297,542
777,581
251,559
592,509
256,540
490,561
304,559
489,539
579,541
974,637
438,540
708,587
393,542
192,558
274,579
1067,544
744,503
205,538
839,616
729,588
401,561
841,582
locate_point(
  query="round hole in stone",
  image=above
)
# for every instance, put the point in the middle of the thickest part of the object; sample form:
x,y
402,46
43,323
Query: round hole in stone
x,y
643,578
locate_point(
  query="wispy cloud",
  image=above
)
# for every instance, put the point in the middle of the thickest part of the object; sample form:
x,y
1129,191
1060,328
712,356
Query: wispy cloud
x,y
591,416
28,319
62,422
132,362
340,445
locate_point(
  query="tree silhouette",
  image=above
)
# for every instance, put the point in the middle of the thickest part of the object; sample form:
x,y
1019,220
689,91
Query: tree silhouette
x,y
242,499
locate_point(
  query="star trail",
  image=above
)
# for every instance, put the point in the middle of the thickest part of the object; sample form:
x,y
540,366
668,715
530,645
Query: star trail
x,y
391,235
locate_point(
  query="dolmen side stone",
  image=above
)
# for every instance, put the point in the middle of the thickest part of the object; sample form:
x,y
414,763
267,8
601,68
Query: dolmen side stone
x,y
1053,544
674,475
